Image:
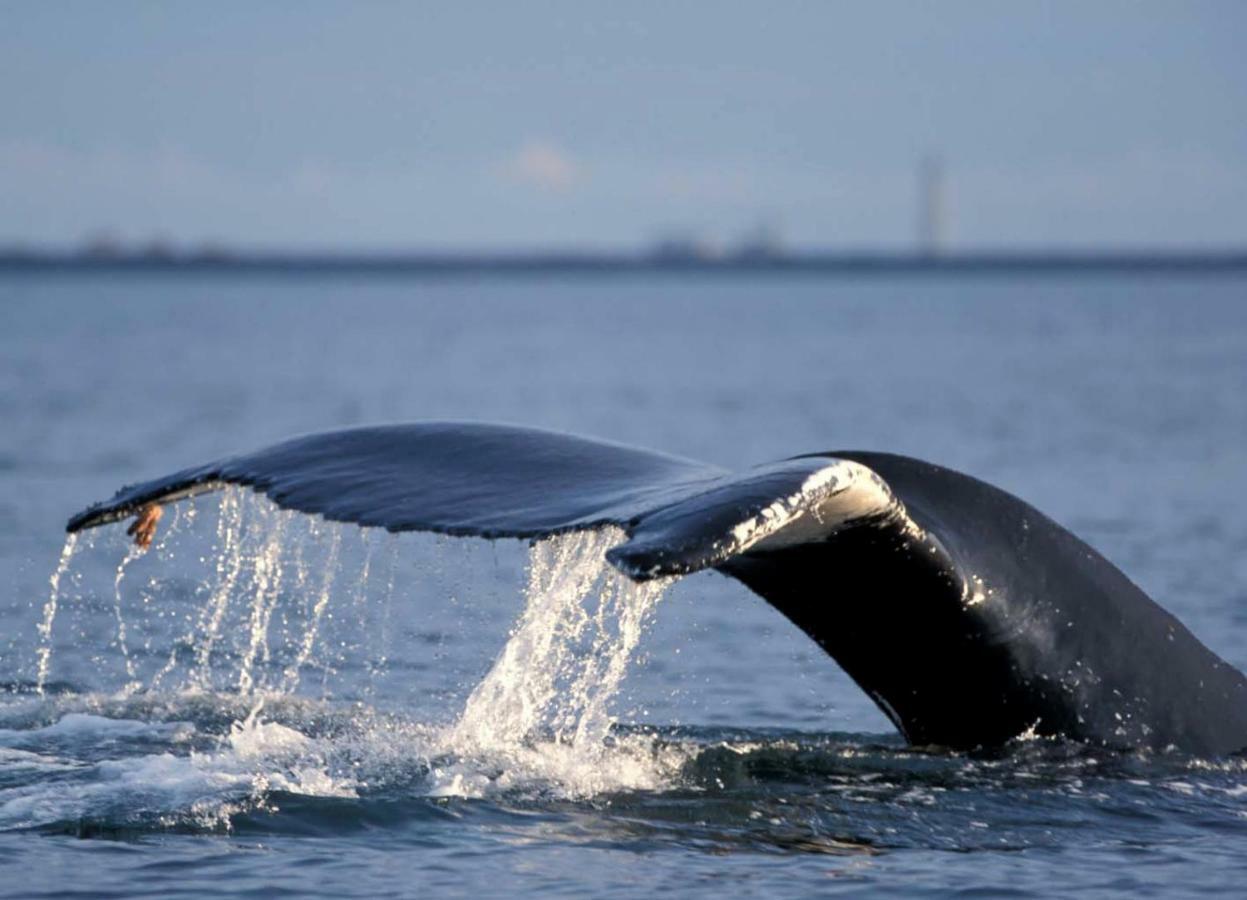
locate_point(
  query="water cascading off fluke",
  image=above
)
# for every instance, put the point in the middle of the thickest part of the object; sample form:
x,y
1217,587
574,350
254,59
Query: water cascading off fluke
x,y
277,589
567,656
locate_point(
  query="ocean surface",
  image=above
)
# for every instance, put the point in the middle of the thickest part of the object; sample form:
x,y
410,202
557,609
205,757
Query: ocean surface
x,y
265,704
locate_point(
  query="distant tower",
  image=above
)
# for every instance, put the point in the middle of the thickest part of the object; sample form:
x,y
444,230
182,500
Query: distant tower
x,y
931,236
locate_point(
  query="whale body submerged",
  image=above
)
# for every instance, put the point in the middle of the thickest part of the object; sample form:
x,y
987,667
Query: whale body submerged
x,y
967,615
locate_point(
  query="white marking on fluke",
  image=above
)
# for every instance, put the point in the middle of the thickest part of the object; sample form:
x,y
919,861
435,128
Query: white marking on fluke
x,y
829,498
839,493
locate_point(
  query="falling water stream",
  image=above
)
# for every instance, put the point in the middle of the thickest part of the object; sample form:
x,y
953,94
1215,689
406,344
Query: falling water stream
x,y
282,596
544,708
49,612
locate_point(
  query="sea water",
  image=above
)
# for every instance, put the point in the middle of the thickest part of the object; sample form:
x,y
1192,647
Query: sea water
x,y
269,702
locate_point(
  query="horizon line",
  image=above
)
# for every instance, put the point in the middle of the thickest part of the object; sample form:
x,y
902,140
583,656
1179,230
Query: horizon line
x,y
163,258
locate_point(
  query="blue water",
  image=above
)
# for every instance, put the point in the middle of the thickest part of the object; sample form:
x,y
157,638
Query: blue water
x,y
740,761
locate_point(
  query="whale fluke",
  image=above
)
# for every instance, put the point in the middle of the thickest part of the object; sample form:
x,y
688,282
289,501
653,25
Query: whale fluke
x,y
499,481
456,478
967,615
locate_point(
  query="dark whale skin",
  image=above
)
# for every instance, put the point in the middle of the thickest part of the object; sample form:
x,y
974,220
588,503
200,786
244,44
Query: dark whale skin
x,y
1064,644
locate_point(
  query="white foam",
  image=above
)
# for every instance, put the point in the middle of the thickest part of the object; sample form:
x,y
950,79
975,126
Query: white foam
x,y
23,763
550,768
85,727
201,788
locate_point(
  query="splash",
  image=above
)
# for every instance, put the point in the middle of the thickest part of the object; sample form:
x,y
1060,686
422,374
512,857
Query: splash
x,y
544,709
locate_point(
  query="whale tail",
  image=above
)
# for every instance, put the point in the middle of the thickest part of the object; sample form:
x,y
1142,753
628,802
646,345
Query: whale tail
x,y
495,481
965,613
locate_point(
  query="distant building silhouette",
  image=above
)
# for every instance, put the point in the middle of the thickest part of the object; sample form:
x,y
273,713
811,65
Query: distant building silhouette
x,y
683,246
103,244
762,242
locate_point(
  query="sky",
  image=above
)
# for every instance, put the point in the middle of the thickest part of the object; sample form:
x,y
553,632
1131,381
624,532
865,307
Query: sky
x,y
382,126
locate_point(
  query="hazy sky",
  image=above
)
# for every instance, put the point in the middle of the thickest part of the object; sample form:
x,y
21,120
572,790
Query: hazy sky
x,y
522,124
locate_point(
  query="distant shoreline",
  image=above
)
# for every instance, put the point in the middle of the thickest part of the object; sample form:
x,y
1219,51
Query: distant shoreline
x,y
451,264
